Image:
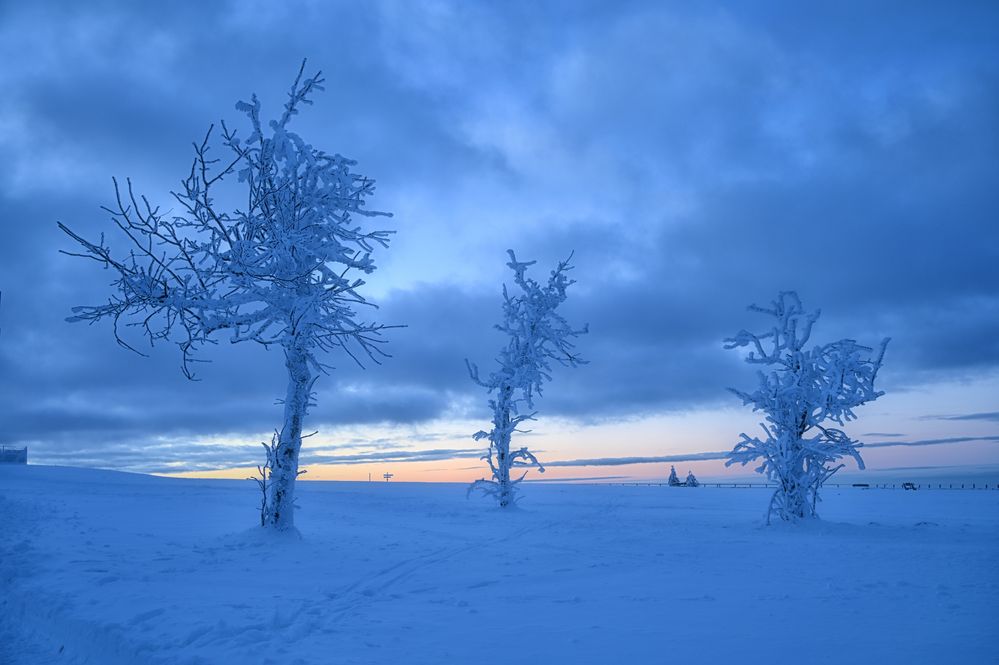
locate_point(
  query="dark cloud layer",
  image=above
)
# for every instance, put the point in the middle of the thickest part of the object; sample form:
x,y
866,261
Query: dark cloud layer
x,y
696,159
700,457
622,461
932,442
990,416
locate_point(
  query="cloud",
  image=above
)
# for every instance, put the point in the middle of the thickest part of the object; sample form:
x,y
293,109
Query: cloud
x,y
696,159
699,457
393,456
991,416
621,461
184,456
932,442
575,479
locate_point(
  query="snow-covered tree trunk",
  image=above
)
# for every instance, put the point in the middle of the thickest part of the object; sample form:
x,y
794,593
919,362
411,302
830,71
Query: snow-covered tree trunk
x,y
504,430
281,506
796,497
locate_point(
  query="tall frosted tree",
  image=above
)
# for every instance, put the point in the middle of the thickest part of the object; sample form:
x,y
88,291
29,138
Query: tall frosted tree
x,y
537,336
802,391
279,270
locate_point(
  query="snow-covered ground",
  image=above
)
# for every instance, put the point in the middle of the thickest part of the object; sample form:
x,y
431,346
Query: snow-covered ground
x,y
111,568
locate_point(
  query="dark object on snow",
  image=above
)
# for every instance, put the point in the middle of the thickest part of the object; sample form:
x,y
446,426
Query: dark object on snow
x,y
909,486
13,455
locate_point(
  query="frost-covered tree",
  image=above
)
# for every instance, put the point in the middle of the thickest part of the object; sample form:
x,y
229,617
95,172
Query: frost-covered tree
x,y
537,336
278,269
802,391
691,481
264,474
673,480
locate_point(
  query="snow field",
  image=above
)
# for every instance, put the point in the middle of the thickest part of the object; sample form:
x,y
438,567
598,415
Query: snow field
x,y
104,567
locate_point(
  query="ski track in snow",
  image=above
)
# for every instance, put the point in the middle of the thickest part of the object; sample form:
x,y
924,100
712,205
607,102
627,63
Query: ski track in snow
x,y
108,568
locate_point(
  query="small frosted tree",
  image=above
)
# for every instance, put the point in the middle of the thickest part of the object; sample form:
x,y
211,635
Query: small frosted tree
x,y
264,475
673,480
801,392
691,480
537,336
279,271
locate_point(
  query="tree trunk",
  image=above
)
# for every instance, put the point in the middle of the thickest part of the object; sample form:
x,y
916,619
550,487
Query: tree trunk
x,y
503,448
794,502
280,504
503,478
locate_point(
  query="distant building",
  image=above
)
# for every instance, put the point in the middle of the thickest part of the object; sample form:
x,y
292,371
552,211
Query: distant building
x,y
13,455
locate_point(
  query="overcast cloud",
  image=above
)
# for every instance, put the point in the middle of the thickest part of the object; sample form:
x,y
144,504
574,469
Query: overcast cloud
x,y
696,157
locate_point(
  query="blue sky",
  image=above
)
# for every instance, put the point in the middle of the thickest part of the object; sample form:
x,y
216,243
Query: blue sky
x,y
697,157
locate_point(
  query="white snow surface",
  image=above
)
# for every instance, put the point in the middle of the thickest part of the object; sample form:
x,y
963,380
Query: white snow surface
x,y
113,568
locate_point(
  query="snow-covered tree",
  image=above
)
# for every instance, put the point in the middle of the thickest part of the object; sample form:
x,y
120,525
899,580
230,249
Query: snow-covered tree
x,y
801,392
673,480
280,270
264,474
691,481
537,336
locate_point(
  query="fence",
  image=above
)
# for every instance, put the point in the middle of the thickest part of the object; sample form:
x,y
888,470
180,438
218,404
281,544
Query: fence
x,y
13,455
863,486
